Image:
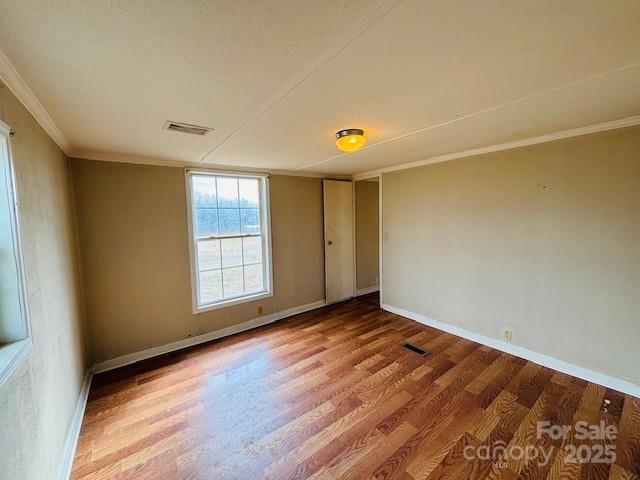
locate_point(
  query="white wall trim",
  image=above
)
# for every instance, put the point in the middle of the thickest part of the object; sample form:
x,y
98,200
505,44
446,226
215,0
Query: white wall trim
x,y
618,384
367,290
12,79
205,337
73,433
550,137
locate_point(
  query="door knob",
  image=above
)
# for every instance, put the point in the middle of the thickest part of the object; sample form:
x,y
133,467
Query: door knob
x,y
329,242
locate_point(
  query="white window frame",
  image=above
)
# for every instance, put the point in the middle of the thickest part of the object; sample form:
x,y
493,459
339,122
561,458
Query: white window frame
x,y
13,353
265,220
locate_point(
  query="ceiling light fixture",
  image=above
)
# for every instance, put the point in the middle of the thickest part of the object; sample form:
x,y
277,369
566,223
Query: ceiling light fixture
x,y
350,140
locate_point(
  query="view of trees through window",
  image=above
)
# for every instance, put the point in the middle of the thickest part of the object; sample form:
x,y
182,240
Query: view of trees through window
x,y
229,236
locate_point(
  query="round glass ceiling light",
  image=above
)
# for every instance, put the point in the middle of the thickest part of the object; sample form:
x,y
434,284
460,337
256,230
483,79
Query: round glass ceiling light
x,y
350,140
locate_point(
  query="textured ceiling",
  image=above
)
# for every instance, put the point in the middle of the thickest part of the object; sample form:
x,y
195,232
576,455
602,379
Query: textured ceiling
x,y
276,79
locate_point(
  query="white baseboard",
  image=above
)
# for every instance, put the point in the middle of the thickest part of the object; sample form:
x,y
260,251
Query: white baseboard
x,y
618,384
368,290
73,432
205,337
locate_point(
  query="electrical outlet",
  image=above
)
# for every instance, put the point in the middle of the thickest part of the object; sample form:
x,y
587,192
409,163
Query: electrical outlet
x,y
260,309
507,334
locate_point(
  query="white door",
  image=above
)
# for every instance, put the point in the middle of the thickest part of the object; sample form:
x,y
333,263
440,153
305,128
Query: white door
x,y
338,240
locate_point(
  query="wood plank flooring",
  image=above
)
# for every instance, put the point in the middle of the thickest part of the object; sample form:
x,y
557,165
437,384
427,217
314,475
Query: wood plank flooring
x,y
333,394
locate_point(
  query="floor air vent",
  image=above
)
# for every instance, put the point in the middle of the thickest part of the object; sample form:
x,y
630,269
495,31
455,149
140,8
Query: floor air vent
x,y
419,351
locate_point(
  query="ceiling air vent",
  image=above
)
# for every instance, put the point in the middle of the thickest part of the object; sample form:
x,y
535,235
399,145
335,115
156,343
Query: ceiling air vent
x,y
187,128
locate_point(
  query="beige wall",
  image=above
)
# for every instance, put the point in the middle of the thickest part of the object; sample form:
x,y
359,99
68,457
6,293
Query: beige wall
x,y
543,239
132,221
367,235
38,400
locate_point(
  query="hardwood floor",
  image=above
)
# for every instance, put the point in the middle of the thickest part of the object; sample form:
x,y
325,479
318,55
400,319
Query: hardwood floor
x,y
334,394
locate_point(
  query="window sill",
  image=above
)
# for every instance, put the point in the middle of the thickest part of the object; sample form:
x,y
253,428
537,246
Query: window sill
x,y
231,302
11,355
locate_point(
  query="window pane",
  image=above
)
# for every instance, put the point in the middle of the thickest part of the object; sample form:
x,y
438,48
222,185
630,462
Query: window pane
x,y
204,191
206,222
12,317
232,282
209,254
253,281
252,249
249,192
227,192
231,252
250,219
229,207
229,221
210,286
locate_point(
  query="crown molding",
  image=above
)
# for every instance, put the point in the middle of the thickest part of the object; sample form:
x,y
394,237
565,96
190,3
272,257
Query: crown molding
x,y
550,137
142,160
17,85
14,82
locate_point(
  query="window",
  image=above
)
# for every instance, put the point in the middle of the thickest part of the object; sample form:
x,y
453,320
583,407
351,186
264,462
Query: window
x,y
230,239
14,324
